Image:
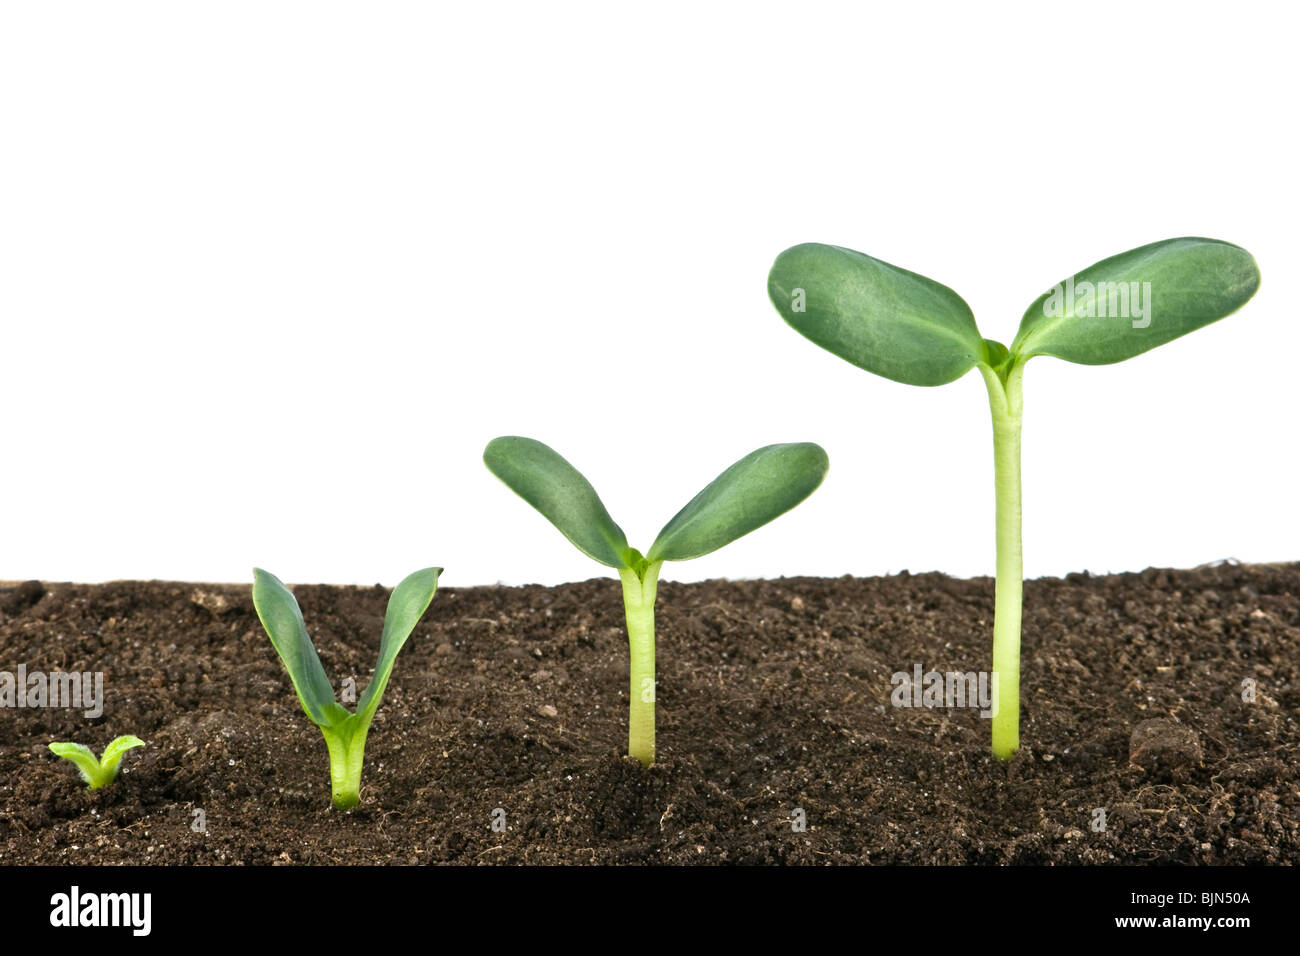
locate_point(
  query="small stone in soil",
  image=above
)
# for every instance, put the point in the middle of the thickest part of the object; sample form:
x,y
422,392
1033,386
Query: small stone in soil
x,y
16,600
1163,745
211,601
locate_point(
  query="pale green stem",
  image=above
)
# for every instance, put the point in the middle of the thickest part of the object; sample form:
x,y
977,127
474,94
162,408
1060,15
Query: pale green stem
x,y
347,754
639,604
1006,404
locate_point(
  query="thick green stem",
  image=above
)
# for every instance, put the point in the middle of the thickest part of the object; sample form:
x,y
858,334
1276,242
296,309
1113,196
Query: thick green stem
x,y
347,754
639,604
1005,402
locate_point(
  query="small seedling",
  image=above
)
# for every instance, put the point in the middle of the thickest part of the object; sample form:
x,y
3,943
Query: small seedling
x,y
101,771
344,731
911,329
762,485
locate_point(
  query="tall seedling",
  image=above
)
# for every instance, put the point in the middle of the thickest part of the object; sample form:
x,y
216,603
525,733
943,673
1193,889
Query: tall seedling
x,y
911,329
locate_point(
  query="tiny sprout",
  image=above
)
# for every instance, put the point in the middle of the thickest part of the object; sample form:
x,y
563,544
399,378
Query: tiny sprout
x,y
761,486
97,772
911,329
344,731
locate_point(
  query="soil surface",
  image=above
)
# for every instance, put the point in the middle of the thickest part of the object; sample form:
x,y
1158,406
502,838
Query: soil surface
x,y
774,698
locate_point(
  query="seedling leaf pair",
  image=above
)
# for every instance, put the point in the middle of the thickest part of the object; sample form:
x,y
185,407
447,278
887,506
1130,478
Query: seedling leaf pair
x,y
97,771
344,731
914,330
761,486
911,329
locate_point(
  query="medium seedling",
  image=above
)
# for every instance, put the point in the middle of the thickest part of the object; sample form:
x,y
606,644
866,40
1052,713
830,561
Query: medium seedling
x,y
762,485
344,731
911,329
97,771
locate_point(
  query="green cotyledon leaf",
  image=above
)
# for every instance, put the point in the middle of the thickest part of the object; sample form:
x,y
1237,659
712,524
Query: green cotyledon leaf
x,y
539,475
1130,303
761,486
81,756
280,615
884,319
111,759
409,601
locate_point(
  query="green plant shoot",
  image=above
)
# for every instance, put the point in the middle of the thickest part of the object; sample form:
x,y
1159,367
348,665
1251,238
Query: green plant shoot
x,y
344,731
762,485
97,771
911,329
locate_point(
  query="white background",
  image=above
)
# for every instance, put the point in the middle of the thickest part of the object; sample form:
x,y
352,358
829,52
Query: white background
x,y
272,274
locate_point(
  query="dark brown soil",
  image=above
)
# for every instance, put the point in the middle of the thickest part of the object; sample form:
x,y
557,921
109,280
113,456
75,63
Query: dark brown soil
x,y
773,696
